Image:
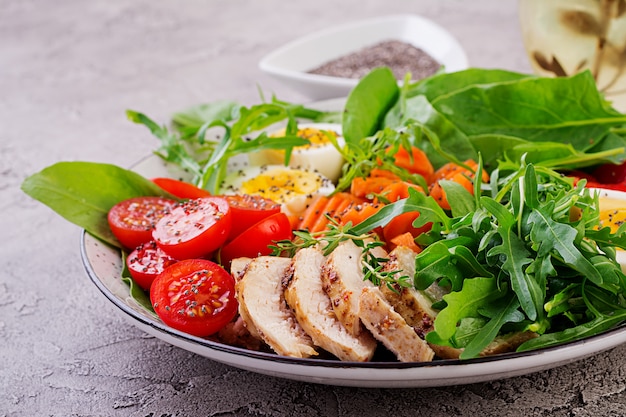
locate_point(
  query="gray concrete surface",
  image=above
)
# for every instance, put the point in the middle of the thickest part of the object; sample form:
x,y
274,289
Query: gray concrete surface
x,y
68,71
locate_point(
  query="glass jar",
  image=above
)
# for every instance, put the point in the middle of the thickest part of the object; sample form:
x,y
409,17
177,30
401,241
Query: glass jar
x,y
563,37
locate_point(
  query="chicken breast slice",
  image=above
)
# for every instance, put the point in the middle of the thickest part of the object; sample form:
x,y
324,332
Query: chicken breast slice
x,y
315,314
262,306
413,305
391,329
342,279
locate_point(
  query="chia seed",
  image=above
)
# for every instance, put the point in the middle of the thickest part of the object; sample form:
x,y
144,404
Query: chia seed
x,y
400,57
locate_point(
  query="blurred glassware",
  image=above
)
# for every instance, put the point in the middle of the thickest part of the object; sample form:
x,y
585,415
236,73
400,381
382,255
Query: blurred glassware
x,y
563,37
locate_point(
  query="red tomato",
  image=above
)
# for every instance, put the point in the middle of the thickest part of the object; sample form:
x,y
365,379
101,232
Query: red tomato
x,y
195,296
618,187
132,220
248,210
180,189
146,262
195,228
256,239
610,173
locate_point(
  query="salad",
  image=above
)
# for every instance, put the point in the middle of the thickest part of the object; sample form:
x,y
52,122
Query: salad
x,y
482,179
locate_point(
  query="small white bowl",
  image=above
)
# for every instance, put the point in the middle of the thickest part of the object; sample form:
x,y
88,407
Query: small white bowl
x,y
291,62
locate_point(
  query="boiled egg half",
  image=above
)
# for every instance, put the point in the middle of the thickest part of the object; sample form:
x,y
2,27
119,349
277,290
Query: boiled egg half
x,y
320,155
292,188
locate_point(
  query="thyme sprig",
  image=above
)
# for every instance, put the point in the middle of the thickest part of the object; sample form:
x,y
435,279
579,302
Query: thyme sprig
x,y
373,270
328,240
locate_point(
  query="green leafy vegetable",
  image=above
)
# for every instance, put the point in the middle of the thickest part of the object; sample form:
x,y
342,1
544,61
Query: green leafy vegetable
x,y
367,104
84,192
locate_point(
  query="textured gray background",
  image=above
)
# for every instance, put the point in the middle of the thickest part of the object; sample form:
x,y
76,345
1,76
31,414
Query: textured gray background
x,y
68,71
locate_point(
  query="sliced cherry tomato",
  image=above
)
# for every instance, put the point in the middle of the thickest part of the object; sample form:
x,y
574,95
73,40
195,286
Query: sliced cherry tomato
x,y
256,239
195,228
195,296
617,187
248,210
610,173
180,189
132,220
146,262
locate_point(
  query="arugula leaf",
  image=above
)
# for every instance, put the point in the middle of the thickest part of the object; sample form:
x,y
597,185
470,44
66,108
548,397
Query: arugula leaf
x,y
197,116
550,235
84,192
476,294
461,201
590,328
513,249
499,316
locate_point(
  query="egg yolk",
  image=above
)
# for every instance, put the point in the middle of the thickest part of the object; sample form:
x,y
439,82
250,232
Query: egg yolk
x,y
282,185
317,137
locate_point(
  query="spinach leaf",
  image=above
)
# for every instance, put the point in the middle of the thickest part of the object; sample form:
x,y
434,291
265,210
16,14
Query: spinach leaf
x,y
84,192
568,110
368,103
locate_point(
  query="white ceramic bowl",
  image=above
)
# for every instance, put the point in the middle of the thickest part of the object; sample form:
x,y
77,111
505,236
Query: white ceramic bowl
x,y
291,62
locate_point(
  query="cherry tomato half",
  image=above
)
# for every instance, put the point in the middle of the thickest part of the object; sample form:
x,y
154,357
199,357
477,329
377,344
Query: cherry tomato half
x,y
195,228
146,262
610,173
180,189
248,210
195,296
132,220
256,239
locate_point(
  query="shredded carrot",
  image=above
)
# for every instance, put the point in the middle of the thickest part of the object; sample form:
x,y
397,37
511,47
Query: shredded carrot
x,y
416,163
378,172
314,217
405,239
456,173
365,187
356,213
398,190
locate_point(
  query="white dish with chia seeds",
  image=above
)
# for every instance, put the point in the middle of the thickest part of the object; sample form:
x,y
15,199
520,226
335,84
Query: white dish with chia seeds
x,y
293,62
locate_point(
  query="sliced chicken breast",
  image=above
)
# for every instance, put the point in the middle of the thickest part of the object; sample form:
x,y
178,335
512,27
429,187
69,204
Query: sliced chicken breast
x,y
413,305
391,329
315,314
342,279
262,306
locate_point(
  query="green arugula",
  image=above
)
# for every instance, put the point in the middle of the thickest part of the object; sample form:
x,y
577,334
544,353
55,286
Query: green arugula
x,y
237,130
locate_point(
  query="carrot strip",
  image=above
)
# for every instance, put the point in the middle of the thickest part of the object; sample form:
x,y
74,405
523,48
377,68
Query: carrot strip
x,y
398,190
364,187
356,213
329,209
311,214
416,162
456,173
405,239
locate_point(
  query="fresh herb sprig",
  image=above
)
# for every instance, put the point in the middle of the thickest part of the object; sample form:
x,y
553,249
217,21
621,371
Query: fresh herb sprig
x,y
329,239
188,145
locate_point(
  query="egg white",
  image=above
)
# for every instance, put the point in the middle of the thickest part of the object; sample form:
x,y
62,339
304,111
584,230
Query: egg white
x,y
293,188
321,157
